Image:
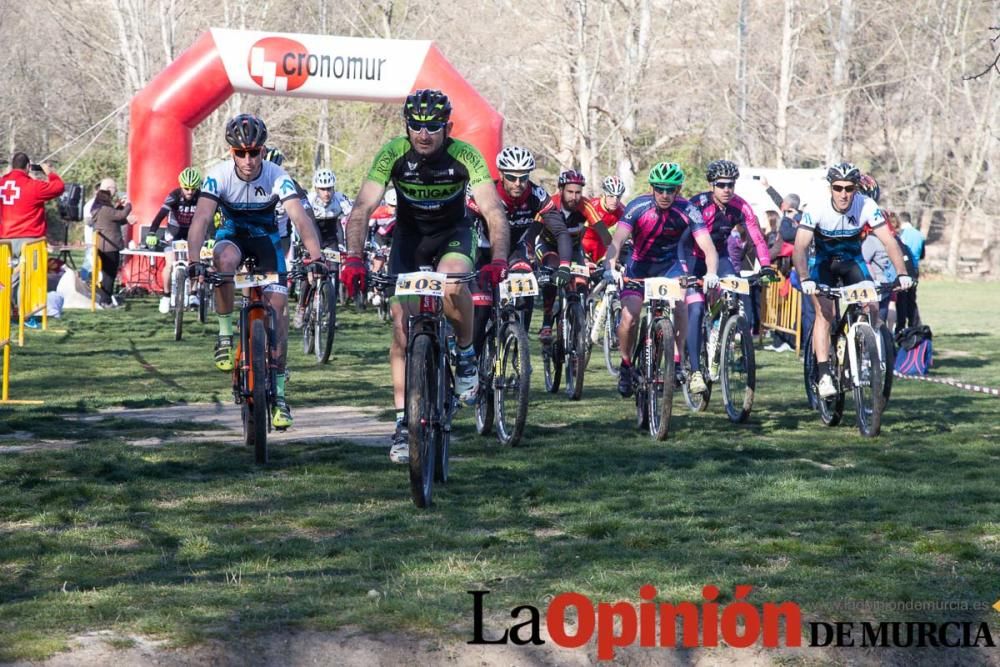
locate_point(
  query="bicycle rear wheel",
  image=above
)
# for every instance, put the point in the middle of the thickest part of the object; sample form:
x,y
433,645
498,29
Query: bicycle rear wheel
x,y
487,384
696,402
831,410
513,384
552,360
738,369
889,354
307,295
324,320
577,344
442,440
422,418
661,379
868,387
180,300
255,408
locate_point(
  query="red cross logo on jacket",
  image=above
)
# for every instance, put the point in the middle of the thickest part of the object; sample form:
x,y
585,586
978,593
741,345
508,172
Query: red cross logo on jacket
x,y
9,193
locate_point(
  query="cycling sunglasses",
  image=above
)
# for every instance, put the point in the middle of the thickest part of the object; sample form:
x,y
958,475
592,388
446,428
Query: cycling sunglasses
x,y
516,178
665,189
843,188
432,126
242,153
725,185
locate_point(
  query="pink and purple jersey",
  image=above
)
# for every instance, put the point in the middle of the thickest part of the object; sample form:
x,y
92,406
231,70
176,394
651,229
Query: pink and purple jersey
x,y
656,233
720,222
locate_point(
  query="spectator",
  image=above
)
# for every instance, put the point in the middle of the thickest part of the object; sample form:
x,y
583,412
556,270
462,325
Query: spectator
x,y
912,238
108,184
22,210
109,217
907,313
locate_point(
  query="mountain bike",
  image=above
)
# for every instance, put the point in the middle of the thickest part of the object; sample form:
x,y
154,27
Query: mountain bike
x,y
179,285
505,362
606,306
206,295
570,341
857,360
653,354
430,400
727,352
319,316
254,376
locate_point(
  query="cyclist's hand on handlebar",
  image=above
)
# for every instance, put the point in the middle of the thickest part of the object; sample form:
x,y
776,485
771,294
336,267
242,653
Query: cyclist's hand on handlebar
x,y
905,282
317,267
151,240
560,278
352,271
197,270
808,287
768,275
711,280
494,272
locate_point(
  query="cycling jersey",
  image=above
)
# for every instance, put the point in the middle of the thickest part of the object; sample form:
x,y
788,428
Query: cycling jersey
x,y
720,222
248,207
657,234
180,210
331,217
430,189
382,222
282,217
838,240
527,215
594,212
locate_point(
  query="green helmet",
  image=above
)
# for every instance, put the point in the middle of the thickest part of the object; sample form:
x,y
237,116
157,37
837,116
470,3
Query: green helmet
x,y
190,179
666,173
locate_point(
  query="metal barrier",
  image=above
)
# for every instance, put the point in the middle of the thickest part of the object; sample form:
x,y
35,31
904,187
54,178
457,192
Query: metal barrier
x,y
34,290
95,276
783,313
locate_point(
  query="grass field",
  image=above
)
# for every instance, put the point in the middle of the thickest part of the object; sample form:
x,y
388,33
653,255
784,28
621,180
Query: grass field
x,y
193,541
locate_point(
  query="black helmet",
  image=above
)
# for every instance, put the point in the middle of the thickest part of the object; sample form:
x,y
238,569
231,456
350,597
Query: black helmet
x,y
427,105
722,169
845,171
246,131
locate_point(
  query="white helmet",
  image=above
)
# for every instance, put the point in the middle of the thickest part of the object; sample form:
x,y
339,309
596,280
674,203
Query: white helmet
x,y
613,186
390,197
515,158
324,178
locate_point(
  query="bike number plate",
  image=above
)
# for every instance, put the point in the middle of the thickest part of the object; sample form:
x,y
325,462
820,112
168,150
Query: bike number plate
x,y
331,255
579,270
206,252
179,246
734,284
663,289
518,285
420,283
247,280
865,292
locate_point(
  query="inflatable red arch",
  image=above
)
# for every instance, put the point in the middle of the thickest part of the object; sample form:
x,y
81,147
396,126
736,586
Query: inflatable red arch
x,y
222,62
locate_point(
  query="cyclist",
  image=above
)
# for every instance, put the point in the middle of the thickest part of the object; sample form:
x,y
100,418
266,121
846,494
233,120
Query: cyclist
x,y
248,189
178,208
836,226
722,211
429,170
529,209
330,207
380,226
657,220
277,157
607,208
549,250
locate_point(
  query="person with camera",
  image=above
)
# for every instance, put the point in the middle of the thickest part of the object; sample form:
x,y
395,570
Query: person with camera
x,y
22,207
109,214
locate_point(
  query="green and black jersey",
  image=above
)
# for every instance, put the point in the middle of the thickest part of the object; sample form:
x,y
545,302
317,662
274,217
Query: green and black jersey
x,y
430,190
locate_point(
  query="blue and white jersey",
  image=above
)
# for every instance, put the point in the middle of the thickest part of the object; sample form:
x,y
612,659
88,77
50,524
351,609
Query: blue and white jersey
x,y
840,233
248,207
339,206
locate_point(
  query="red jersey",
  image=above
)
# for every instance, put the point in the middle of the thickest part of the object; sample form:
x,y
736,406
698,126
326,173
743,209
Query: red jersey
x,y
22,203
593,210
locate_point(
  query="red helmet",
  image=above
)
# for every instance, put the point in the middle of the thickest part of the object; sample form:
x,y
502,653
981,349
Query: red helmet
x,y
571,176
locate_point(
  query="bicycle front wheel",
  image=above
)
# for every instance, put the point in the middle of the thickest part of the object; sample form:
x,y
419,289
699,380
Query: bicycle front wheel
x,y
577,344
513,384
255,408
204,295
661,379
552,361
324,321
487,385
422,418
611,321
307,296
738,369
180,300
868,387
697,402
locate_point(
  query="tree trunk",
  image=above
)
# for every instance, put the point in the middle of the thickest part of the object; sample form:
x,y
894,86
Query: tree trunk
x,y
842,36
784,85
742,48
636,58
